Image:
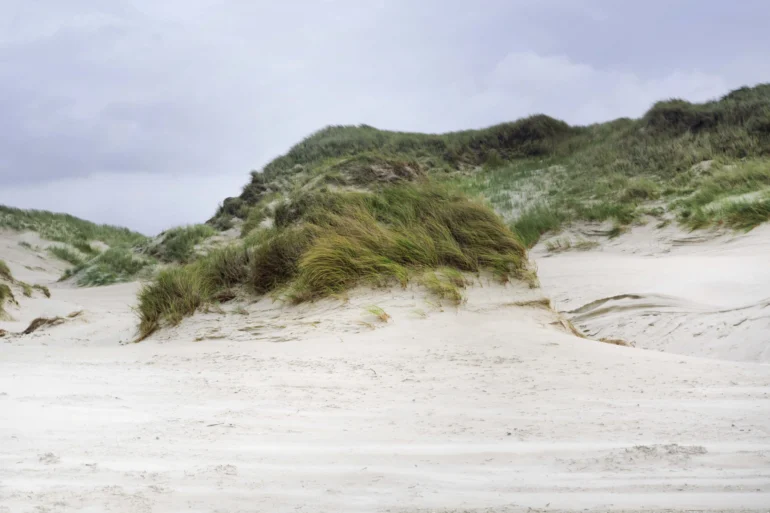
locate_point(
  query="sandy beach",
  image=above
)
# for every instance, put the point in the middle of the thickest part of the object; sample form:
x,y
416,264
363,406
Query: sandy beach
x,y
489,406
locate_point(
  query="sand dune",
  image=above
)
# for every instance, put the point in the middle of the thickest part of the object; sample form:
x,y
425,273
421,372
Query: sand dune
x,y
490,406
696,294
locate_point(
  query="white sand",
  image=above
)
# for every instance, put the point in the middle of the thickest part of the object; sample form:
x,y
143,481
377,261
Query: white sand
x,y
489,407
695,294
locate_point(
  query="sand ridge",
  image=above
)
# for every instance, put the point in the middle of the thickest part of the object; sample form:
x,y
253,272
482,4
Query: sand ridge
x,y
701,293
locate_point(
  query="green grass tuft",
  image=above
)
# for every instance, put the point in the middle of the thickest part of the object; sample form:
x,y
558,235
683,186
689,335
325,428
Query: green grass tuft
x,y
178,244
445,283
174,294
68,255
325,242
85,247
379,313
536,220
66,228
6,295
114,265
42,288
5,271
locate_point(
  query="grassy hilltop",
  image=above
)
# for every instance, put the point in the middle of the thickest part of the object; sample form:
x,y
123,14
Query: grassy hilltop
x,y
354,204
100,254
693,160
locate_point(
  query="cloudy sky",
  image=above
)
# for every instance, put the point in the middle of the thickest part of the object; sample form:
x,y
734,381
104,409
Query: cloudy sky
x,y
148,113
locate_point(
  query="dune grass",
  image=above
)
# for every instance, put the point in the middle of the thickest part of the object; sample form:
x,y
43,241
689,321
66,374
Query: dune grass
x,y
5,271
735,195
178,244
67,254
66,228
114,265
6,296
445,283
539,172
85,247
43,289
613,171
325,242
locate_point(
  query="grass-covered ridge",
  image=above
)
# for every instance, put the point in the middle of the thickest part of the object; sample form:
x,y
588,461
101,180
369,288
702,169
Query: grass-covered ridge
x,y
104,254
99,254
353,204
178,244
66,228
326,241
542,173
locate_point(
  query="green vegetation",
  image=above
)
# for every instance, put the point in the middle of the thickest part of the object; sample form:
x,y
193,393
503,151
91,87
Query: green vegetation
x,y
356,205
6,296
682,156
66,228
736,195
325,242
79,244
111,266
96,268
541,173
533,136
120,263
379,313
178,244
562,244
68,255
42,288
5,271
445,283
85,247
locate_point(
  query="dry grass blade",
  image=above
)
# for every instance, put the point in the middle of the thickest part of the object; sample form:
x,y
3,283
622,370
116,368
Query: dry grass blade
x,y
42,322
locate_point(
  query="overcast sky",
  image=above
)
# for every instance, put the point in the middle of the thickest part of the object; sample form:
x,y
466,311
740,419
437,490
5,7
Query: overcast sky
x,y
148,113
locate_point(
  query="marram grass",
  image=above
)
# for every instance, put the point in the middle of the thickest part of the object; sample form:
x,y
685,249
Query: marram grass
x,y
325,242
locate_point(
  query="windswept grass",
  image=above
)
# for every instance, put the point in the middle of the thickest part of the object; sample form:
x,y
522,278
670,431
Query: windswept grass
x,y
66,228
85,247
178,244
735,195
174,294
445,283
746,214
6,295
254,218
612,171
538,172
114,265
325,242
536,220
5,271
42,288
68,255
379,313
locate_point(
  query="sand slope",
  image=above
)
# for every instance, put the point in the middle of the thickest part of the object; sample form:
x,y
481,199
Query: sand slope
x,y
700,293
492,406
